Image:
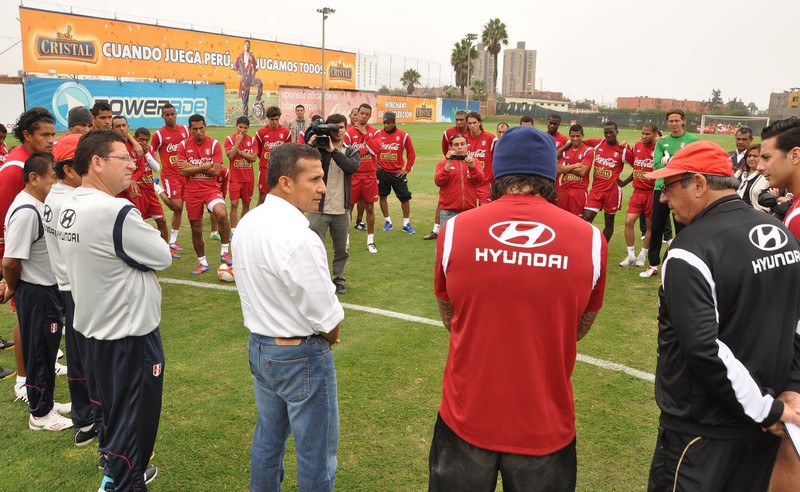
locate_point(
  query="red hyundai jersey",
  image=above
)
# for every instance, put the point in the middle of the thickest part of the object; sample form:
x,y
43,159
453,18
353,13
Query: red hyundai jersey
x,y
367,146
791,220
64,146
200,154
3,152
165,143
582,155
241,169
482,148
643,163
506,384
560,139
390,150
448,134
11,183
608,163
267,139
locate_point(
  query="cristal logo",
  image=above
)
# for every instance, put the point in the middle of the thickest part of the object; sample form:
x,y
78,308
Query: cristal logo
x,y
392,146
522,234
768,237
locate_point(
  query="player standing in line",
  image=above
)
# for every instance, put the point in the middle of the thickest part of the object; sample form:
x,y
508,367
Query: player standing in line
x,y
200,160
609,159
641,201
553,123
481,147
364,182
393,170
460,128
165,143
576,162
267,138
242,152
245,66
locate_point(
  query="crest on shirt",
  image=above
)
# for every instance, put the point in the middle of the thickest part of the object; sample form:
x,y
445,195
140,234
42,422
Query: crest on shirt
x,y
53,327
616,154
157,369
208,151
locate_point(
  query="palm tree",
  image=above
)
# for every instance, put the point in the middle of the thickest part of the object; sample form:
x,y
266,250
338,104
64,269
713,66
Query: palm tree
x,y
410,79
461,59
478,90
494,34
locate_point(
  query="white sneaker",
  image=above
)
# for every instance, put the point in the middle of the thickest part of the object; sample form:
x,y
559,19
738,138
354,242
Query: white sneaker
x,y
650,272
62,408
59,354
640,261
371,248
21,393
61,369
50,422
641,238
629,261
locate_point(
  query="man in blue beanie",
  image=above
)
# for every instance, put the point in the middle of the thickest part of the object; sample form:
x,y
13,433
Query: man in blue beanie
x,y
507,402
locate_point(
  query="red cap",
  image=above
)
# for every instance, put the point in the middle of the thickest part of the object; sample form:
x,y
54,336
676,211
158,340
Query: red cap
x,y
701,157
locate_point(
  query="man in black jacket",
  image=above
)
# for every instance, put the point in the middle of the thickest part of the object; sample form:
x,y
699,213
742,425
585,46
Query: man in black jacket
x,y
334,208
727,331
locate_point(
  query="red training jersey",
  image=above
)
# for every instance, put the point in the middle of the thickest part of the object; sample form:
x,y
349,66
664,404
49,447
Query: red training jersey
x,y
3,152
11,183
643,163
200,154
448,134
267,139
367,146
608,162
458,187
583,155
165,143
791,220
560,139
481,147
64,146
390,150
241,170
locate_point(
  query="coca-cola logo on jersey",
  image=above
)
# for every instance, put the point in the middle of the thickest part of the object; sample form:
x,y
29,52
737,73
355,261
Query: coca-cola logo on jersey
x,y
479,154
198,162
172,147
272,145
391,146
605,162
648,163
522,234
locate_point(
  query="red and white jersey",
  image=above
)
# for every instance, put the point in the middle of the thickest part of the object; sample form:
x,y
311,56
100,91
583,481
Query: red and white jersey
x,y
222,180
241,169
367,146
583,155
448,134
200,154
560,139
482,148
544,267
3,152
143,174
791,220
165,143
390,150
11,183
267,139
643,163
608,163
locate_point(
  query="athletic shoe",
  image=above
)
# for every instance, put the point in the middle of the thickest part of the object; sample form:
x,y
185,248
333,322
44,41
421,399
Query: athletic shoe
x,y
59,354
387,226
430,235
150,473
226,258
628,261
107,484
7,373
62,408
4,344
175,255
360,226
650,272
215,236
21,393
341,289
200,269
61,369
641,238
175,246
82,438
640,261
371,248
50,422
408,229
101,460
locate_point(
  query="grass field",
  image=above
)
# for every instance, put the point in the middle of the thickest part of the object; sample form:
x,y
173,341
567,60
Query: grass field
x,y
389,372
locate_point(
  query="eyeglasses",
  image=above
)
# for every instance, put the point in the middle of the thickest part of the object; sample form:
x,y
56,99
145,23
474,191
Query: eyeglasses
x,y
122,157
665,188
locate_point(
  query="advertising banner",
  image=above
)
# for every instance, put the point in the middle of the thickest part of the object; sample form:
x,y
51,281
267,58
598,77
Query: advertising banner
x,y
335,102
452,106
139,102
408,109
82,45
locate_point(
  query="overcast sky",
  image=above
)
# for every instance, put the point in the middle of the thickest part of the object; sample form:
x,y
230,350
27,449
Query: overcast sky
x,y
585,49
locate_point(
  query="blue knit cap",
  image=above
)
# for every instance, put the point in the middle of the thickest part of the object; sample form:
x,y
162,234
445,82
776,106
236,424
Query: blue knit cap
x,y
525,150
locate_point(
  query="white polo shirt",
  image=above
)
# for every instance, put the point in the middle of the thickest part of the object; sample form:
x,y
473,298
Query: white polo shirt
x,y
23,242
282,275
52,211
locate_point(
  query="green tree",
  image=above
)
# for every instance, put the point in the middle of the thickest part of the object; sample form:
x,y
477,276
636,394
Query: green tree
x,y
461,59
493,36
449,92
716,99
410,80
752,108
478,90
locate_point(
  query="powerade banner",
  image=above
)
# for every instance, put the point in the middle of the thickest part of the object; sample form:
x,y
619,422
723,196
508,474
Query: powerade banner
x,y
452,106
140,102
82,45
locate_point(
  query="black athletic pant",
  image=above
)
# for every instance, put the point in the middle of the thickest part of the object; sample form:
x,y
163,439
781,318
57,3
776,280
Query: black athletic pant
x,y
129,373
83,413
660,218
39,311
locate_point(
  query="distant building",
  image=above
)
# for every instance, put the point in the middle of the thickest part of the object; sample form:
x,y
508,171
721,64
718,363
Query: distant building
x,y
519,71
482,66
784,104
661,104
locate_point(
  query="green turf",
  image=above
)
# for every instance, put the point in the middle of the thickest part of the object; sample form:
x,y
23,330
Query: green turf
x,y
389,373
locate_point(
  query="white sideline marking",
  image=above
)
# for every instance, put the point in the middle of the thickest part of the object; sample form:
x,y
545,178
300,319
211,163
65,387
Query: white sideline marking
x,y
604,364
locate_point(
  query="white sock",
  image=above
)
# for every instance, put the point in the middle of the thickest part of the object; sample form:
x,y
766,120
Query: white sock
x,y
387,219
158,189
436,228
406,221
370,238
21,381
642,253
224,249
173,237
202,260
631,251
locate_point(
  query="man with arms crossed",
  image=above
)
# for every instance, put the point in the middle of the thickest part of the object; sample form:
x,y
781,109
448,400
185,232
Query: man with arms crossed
x,y
242,152
364,184
300,123
507,401
393,170
269,137
576,162
641,201
291,310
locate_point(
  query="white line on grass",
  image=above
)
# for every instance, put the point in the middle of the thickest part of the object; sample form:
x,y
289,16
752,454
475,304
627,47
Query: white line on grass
x,y
611,366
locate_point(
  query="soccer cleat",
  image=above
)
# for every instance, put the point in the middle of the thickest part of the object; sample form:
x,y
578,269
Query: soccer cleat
x,y
341,289
628,261
61,369
59,354
226,258
387,226
50,422
200,269
430,235
174,253
4,344
175,246
650,272
640,261
82,438
360,226
62,408
408,229
214,235
7,373
371,248
101,460
107,484
150,473
21,393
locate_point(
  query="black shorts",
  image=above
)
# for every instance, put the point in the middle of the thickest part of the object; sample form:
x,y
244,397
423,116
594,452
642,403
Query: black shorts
x,y
389,181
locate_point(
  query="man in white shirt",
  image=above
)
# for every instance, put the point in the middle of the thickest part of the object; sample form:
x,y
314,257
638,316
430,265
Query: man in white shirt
x,y
289,306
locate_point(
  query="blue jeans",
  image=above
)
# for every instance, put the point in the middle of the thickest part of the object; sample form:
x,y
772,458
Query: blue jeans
x,y
295,390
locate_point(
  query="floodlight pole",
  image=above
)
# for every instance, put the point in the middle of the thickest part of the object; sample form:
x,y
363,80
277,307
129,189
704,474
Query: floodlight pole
x,y
324,11
470,37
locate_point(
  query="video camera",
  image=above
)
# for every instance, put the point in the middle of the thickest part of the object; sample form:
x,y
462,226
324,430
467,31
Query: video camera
x,y
323,134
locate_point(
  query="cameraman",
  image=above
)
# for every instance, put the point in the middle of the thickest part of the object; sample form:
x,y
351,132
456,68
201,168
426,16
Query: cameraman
x,y
334,208
457,177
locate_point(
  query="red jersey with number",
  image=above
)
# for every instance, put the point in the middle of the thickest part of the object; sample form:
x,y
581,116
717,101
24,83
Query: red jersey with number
x,y
608,163
560,139
481,147
3,152
165,143
367,146
200,154
583,155
643,163
241,170
390,150
267,139
448,134
791,220
11,183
